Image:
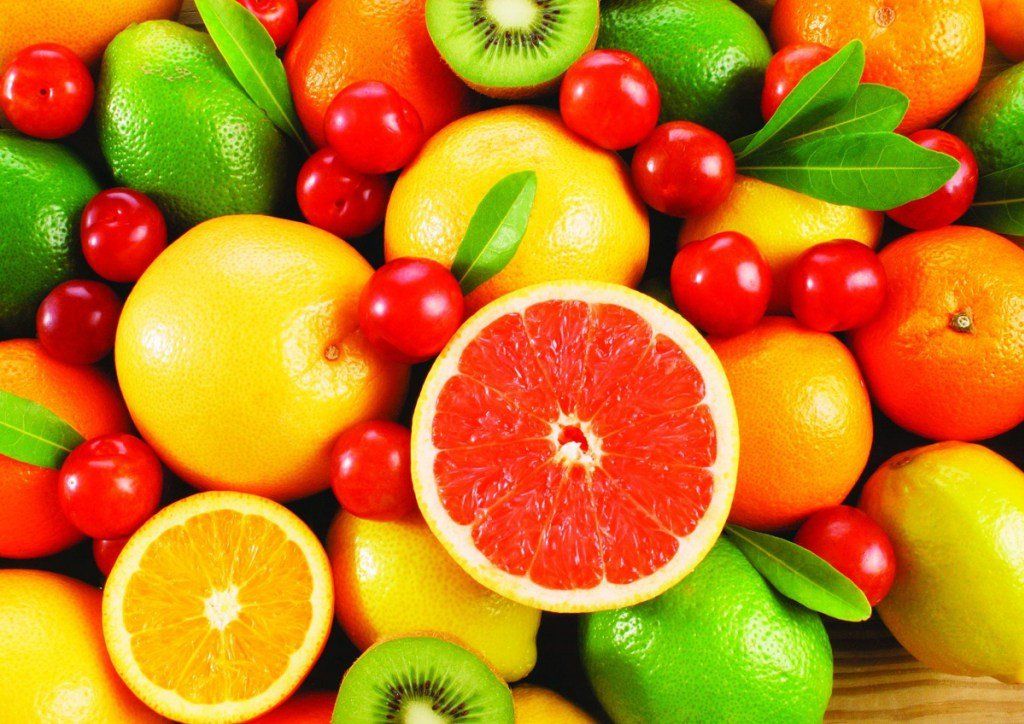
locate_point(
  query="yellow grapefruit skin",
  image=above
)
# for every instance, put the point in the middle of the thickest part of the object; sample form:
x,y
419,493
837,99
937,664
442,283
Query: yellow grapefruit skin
x,y
240,356
586,221
458,538
218,607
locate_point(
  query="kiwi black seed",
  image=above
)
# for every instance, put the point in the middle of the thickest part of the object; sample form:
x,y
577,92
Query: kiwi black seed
x,y
422,680
512,48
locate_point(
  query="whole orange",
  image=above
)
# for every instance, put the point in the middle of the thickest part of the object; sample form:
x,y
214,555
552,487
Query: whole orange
x,y
52,659
931,50
1004,24
342,41
240,356
31,522
805,421
84,27
945,357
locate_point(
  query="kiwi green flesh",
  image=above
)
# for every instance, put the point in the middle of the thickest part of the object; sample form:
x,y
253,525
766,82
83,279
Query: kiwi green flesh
x,y
510,44
422,680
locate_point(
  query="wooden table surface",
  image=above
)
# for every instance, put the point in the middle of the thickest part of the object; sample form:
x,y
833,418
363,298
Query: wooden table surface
x,y
877,680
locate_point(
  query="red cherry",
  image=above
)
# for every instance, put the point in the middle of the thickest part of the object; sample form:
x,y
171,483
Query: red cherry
x,y
77,321
836,286
46,91
786,69
279,17
123,231
105,552
610,98
721,284
372,128
949,203
370,470
683,169
110,485
410,308
855,545
338,199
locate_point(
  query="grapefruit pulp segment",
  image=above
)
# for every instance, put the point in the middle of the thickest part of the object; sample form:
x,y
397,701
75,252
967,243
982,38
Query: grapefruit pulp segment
x,y
574,446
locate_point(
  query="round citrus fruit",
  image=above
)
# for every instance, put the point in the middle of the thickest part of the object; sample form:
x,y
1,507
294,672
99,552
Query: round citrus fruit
x,y
240,357
783,224
586,221
85,28
992,122
537,705
52,656
343,41
218,607
722,646
931,50
944,357
1004,26
708,57
31,521
394,579
955,515
307,707
45,187
574,447
805,421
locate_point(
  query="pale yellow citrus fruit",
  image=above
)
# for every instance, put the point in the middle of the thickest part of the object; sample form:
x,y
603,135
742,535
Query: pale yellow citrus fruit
x,y
537,705
783,224
586,221
53,664
574,447
218,607
240,356
394,579
954,512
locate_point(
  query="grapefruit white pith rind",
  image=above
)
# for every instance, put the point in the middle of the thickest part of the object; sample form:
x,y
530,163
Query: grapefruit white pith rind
x,y
692,548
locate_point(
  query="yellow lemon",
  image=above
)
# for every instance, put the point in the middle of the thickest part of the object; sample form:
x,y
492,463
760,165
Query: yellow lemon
x,y
954,512
537,705
240,356
783,224
586,221
394,579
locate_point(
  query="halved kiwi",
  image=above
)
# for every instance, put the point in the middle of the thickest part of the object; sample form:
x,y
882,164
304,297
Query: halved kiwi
x,y
512,48
422,680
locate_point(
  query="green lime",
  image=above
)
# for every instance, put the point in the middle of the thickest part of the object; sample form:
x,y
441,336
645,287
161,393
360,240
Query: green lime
x,y
44,188
721,645
992,122
174,124
708,57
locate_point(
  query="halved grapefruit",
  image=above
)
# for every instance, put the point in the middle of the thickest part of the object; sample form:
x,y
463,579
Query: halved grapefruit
x,y
575,447
218,607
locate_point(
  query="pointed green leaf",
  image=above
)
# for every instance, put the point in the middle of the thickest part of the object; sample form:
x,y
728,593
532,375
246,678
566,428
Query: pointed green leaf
x,y
249,52
494,232
873,108
876,171
30,433
999,203
798,574
824,91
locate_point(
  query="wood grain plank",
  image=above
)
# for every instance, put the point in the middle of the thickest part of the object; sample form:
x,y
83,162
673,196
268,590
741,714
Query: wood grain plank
x,y
878,681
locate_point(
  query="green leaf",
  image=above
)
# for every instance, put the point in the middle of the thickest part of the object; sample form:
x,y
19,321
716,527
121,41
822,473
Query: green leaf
x,y
999,203
876,171
825,90
798,574
494,232
249,52
873,108
30,433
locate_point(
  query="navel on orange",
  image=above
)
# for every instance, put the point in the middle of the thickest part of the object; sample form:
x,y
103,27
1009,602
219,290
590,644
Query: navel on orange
x,y
575,447
218,607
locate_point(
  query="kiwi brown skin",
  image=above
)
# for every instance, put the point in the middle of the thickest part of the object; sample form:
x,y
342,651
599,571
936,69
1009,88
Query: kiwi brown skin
x,y
525,91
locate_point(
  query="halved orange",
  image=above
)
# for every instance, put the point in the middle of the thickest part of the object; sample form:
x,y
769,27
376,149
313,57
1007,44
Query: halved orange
x,y
218,607
575,447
